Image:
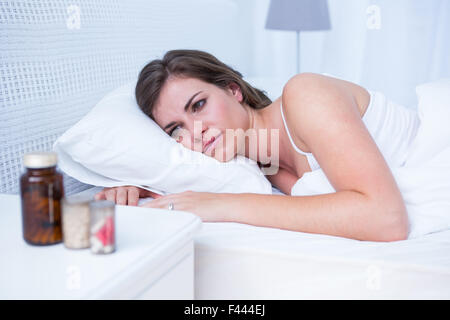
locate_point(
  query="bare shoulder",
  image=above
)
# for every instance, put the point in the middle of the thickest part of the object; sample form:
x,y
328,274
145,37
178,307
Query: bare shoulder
x,y
309,96
324,113
310,85
318,79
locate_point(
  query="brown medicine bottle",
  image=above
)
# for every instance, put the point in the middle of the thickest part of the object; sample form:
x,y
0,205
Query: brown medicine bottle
x,y
42,190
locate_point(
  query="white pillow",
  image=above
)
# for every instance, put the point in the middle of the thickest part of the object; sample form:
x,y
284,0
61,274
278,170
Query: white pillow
x,y
433,107
117,144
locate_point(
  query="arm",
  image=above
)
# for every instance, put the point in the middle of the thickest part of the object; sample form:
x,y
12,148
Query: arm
x,y
342,214
283,180
367,204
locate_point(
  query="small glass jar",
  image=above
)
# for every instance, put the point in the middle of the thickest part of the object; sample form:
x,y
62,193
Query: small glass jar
x,y
102,225
41,190
76,221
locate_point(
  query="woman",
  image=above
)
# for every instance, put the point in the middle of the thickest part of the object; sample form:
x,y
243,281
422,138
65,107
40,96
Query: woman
x,y
320,123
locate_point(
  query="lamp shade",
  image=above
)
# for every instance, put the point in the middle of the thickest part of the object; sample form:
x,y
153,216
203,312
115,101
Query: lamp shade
x,y
298,15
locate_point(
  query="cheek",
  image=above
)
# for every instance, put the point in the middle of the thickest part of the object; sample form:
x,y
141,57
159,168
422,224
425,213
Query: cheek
x,y
184,138
231,117
226,149
219,115
227,115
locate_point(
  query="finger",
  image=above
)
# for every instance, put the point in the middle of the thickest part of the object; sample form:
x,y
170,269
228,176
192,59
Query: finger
x,y
100,195
155,195
110,195
121,196
133,196
152,194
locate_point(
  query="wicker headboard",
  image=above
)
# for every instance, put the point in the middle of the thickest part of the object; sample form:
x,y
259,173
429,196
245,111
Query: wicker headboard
x,y
58,58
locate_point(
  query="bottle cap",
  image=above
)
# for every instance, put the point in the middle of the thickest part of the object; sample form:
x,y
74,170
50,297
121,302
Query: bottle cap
x,y
37,160
78,199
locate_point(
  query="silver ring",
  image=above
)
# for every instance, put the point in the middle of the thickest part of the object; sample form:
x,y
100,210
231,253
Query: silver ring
x,y
171,206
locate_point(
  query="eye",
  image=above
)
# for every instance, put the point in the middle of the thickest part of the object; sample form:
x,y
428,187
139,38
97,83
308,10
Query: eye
x,y
173,130
199,104
195,107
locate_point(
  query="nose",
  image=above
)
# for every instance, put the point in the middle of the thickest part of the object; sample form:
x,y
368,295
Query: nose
x,y
198,134
195,131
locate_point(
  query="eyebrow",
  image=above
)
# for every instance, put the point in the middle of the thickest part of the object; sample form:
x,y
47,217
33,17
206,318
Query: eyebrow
x,y
186,107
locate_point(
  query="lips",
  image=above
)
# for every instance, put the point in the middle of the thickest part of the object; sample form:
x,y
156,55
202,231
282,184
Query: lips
x,y
211,143
205,146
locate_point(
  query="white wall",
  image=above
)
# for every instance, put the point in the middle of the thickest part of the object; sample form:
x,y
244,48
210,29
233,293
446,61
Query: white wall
x,y
384,45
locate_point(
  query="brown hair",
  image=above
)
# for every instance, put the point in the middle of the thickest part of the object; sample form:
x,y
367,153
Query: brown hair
x,y
193,64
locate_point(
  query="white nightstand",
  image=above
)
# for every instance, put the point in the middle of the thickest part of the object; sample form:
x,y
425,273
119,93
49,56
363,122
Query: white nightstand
x,y
154,259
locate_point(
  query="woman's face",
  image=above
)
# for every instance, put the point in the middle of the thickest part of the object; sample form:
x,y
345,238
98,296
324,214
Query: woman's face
x,y
193,112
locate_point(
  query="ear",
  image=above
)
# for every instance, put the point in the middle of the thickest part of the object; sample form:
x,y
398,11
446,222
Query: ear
x,y
235,90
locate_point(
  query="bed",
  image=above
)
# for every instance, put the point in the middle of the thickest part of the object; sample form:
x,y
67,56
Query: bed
x,y
44,92
235,261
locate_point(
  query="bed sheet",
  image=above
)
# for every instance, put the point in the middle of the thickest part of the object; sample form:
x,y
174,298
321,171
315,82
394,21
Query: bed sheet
x,y
237,261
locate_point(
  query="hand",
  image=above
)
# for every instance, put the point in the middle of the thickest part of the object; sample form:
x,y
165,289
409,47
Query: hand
x,y
126,195
209,206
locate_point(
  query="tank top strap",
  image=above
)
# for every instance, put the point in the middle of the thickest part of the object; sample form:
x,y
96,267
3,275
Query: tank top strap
x,y
313,164
289,135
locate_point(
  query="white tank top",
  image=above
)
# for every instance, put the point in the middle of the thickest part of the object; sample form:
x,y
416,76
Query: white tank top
x,y
392,126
